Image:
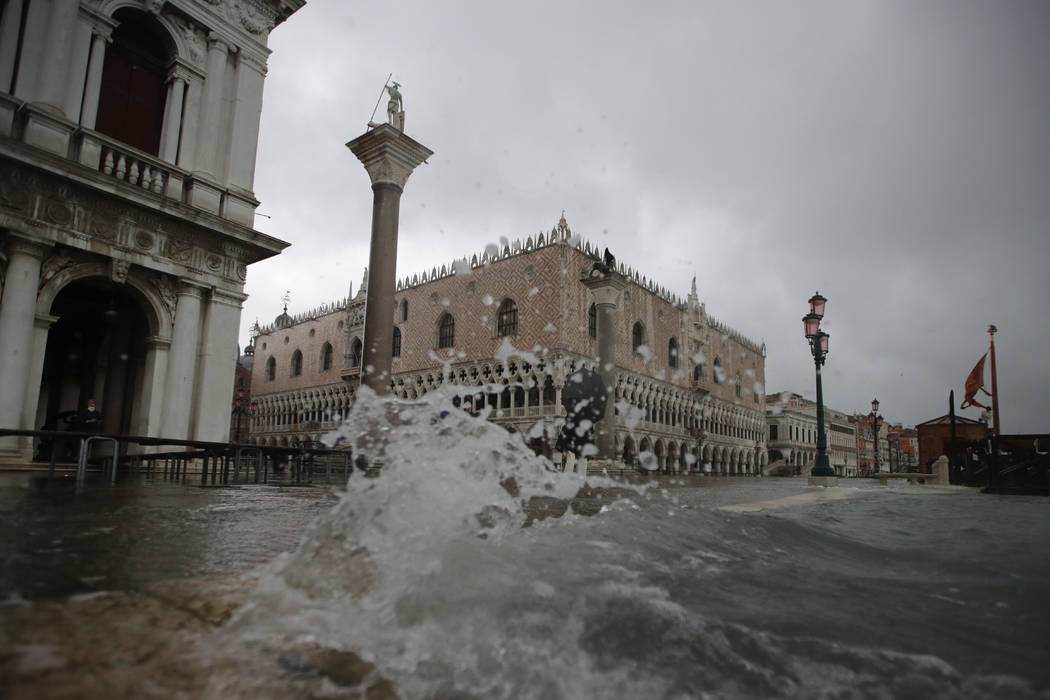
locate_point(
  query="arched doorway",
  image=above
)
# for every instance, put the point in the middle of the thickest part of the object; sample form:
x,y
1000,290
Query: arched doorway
x,y
96,349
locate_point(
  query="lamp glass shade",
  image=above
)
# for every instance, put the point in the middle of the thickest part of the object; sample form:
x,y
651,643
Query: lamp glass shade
x,y
824,343
874,405
811,324
816,304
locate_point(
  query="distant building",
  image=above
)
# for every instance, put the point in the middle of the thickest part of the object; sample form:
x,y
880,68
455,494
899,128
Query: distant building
x,y
935,437
508,327
792,423
128,134
903,446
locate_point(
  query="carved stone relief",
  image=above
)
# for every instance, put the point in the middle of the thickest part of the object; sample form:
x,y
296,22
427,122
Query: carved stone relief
x,y
52,266
118,270
166,289
143,240
179,250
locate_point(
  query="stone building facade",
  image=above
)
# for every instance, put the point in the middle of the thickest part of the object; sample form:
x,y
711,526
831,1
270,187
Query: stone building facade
x,y
128,133
508,326
792,426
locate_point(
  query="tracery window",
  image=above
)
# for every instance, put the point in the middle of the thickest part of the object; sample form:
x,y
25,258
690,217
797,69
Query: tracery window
x,y
507,319
326,357
404,310
297,363
592,321
446,331
672,353
396,343
271,369
355,353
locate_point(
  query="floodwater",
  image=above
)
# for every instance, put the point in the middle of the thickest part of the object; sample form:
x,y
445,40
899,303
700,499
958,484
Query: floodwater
x,y
744,588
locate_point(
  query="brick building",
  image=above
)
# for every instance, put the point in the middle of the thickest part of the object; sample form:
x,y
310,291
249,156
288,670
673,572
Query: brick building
x,y
935,437
509,326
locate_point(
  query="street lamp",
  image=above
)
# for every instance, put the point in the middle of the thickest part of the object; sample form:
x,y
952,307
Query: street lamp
x,y
876,422
818,345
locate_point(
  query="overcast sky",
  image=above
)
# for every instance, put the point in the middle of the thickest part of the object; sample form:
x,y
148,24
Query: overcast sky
x,y
894,156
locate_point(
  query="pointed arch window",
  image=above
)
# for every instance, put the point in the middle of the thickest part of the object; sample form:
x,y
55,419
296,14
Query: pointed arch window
x,y
446,331
271,369
396,342
326,357
507,319
355,353
720,374
297,363
592,321
637,336
404,310
698,373
672,353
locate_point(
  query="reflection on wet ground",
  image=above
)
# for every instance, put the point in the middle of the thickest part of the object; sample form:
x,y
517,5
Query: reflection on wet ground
x,y
64,542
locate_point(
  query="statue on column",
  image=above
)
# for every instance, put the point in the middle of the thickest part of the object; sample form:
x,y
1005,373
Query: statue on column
x,y
395,112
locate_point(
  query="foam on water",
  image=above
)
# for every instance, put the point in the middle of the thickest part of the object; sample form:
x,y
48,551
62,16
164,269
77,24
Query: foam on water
x,y
428,572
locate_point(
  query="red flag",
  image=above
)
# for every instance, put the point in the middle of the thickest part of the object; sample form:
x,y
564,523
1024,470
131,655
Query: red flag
x,y
974,383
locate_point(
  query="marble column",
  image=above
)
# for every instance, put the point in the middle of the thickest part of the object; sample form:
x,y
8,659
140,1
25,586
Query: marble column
x,y
606,287
210,123
169,137
80,50
389,157
180,382
190,122
149,409
41,328
35,42
55,63
10,21
247,107
93,83
17,318
218,359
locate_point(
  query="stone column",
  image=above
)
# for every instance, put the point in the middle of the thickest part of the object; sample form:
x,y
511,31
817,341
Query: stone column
x,y
246,110
54,68
190,122
35,43
210,123
41,328
218,359
17,317
182,363
93,84
169,139
10,21
389,157
606,289
81,48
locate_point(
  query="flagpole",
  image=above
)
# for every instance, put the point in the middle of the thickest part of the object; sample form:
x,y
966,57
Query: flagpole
x,y
995,391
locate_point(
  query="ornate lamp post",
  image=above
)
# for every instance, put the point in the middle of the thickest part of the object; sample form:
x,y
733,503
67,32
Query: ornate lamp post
x,y
818,345
876,422
701,435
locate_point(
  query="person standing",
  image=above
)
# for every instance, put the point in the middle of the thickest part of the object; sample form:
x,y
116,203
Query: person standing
x,y
91,418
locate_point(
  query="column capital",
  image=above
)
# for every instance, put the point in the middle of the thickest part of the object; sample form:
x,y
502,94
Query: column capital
x,y
388,155
158,342
21,243
227,297
44,320
190,288
606,286
215,41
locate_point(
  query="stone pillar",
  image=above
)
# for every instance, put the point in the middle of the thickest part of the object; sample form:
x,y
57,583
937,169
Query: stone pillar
x,y
41,328
606,287
35,43
10,21
247,107
210,123
169,139
218,359
389,157
54,68
190,122
80,50
182,363
17,318
93,84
